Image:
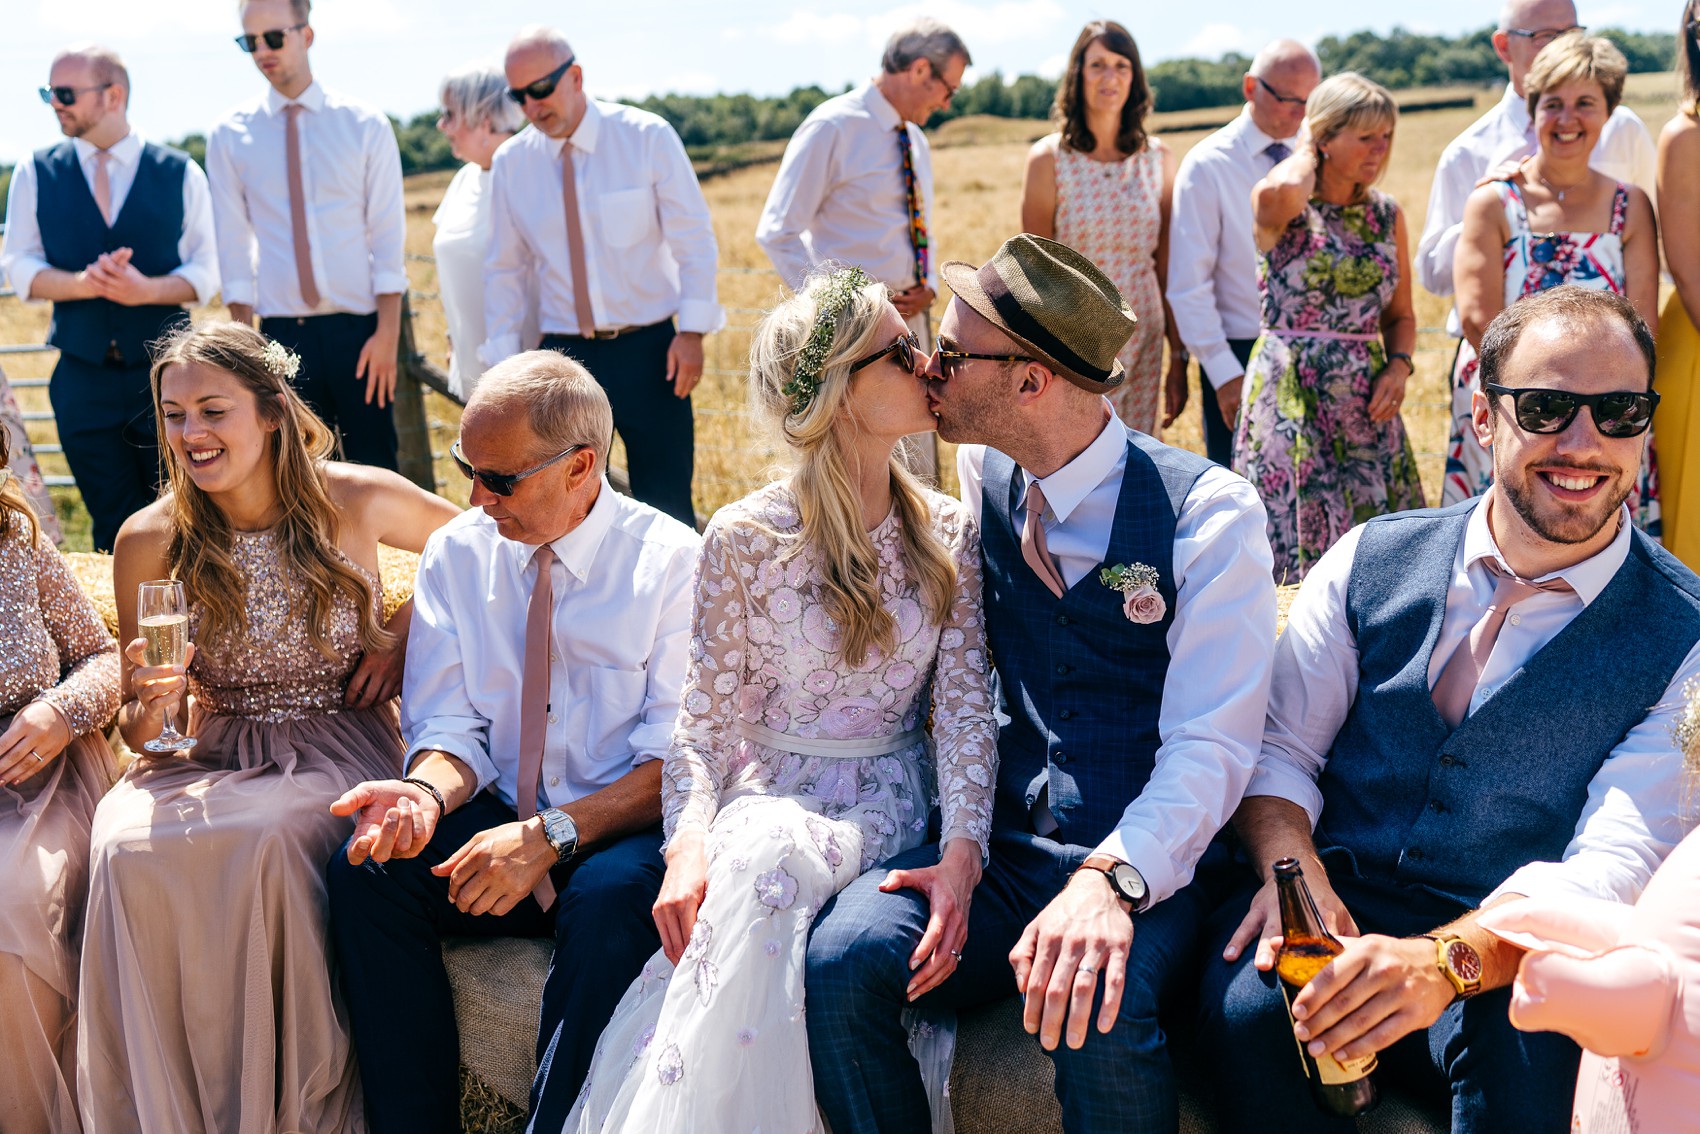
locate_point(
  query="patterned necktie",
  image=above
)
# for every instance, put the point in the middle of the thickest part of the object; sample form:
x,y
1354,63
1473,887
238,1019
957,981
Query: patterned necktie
x,y
575,245
534,702
298,207
1033,547
1463,670
1278,152
917,207
103,186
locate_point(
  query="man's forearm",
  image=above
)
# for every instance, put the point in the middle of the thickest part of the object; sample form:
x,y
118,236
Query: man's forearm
x,y
631,803
1273,828
389,314
242,313
448,774
1500,958
58,285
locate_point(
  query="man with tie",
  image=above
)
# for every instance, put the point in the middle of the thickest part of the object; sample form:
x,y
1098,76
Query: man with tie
x,y
1213,292
1506,134
118,233
548,645
307,198
597,211
1454,721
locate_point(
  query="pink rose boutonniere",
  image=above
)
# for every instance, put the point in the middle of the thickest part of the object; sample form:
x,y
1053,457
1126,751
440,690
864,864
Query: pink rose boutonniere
x,y
1138,585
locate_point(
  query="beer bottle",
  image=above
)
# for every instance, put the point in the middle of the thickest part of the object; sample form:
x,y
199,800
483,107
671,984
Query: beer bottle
x,y
1339,1086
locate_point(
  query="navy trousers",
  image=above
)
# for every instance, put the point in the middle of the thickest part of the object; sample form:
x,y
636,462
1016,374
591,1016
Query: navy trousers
x,y
1499,1078
106,427
858,967
1219,434
388,921
656,426
329,346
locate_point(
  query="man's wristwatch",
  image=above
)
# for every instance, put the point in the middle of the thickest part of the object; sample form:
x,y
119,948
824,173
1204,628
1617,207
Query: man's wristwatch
x,y
561,831
1459,963
1127,882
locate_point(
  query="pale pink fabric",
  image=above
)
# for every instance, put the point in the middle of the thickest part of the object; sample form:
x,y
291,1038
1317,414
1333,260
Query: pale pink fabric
x,y
103,185
1033,546
298,206
575,245
534,701
1463,670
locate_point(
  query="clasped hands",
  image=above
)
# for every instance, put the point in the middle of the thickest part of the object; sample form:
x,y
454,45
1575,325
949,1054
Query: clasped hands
x,y
114,277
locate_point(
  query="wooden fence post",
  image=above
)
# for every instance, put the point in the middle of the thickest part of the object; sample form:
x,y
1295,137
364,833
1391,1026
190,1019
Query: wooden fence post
x,y
413,431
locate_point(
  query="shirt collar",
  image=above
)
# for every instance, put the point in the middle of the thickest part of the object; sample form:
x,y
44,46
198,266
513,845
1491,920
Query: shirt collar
x,y
313,98
585,134
1252,137
1587,578
880,107
1074,482
1516,109
124,151
577,549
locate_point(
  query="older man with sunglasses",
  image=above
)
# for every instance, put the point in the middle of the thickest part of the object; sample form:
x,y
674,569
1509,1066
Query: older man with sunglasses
x,y
544,664
1468,704
597,212
307,198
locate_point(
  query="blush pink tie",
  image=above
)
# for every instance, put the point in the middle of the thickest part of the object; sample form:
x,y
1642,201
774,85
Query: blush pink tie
x,y
103,186
298,207
1033,547
534,701
1462,672
575,244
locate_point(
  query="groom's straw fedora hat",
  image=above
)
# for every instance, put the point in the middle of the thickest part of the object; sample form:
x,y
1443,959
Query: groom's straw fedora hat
x,y
1053,301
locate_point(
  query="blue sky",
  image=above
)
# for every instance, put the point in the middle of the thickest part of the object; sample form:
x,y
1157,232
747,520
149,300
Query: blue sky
x,y
187,72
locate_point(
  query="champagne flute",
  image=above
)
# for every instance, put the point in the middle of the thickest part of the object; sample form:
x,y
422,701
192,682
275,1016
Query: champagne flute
x,y
163,616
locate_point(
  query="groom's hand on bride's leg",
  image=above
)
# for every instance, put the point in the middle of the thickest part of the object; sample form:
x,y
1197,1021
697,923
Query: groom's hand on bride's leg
x,y
1084,933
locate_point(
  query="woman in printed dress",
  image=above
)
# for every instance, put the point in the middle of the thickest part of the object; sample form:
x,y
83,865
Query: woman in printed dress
x,y
1554,221
1321,437
837,691
1102,186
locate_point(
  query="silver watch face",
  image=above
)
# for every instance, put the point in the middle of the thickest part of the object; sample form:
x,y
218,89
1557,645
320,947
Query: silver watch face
x,y
561,831
1128,883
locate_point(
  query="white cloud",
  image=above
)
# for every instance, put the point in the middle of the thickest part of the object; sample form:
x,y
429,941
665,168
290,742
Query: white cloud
x,y
1214,40
359,19
1006,21
126,19
1053,66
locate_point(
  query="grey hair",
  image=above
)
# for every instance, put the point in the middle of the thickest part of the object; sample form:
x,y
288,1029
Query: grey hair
x,y
478,93
927,39
1279,52
564,405
106,64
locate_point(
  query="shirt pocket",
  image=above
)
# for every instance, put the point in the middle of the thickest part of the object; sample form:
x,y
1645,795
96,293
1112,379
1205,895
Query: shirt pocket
x,y
616,702
627,215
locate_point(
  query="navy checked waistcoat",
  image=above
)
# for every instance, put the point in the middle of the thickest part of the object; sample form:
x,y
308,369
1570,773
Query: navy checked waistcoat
x,y
1410,803
1081,684
74,235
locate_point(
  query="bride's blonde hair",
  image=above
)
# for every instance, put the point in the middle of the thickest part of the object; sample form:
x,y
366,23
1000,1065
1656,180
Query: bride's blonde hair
x,y
810,420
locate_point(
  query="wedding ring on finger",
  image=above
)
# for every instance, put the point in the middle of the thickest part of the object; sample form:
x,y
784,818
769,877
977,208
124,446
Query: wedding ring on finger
x,y
954,953
1088,969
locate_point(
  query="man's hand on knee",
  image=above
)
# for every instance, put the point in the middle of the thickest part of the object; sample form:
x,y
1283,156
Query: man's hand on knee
x,y
1083,933
498,868
392,819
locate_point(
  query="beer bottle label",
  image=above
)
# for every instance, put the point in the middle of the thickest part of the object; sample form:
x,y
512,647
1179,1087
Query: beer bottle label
x,y
1332,1071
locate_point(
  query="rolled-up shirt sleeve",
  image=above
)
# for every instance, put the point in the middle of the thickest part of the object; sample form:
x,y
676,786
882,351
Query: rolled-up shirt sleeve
x,y
1454,179
652,735
22,256
1195,237
436,713
386,216
238,252
508,270
198,247
798,189
689,231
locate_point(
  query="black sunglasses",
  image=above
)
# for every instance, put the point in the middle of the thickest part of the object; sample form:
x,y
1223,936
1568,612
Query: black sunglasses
x,y
543,87
1286,100
1540,37
949,358
67,96
273,38
503,484
905,348
1622,413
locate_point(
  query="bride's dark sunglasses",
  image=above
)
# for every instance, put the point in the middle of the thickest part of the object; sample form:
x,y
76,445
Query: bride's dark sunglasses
x,y
503,484
543,87
272,39
907,349
1622,413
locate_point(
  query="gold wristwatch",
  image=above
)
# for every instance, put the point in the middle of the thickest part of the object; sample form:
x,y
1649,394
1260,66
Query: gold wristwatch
x,y
1459,963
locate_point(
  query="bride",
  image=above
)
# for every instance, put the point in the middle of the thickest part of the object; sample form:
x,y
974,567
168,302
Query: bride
x,y
838,659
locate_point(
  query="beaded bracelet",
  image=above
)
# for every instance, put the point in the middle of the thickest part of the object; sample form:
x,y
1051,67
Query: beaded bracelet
x,y
442,808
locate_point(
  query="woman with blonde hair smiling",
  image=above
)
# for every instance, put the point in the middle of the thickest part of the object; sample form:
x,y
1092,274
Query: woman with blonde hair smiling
x,y
205,940
833,607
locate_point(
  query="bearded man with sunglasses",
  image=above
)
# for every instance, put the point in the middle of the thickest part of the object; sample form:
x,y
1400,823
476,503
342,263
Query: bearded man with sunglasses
x,y
544,664
117,233
1460,715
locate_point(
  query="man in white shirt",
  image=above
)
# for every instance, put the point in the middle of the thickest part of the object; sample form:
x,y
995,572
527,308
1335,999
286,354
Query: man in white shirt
x,y
1506,134
1112,564
1212,255
1455,720
118,234
598,212
311,233
544,662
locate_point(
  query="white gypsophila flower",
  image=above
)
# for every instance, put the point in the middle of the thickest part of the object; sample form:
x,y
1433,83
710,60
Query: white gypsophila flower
x,y
282,361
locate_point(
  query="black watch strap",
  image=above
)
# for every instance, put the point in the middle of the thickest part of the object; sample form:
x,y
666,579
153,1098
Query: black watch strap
x,y
442,808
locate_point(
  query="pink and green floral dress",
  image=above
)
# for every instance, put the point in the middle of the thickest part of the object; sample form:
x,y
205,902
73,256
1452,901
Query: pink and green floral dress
x,y
1305,439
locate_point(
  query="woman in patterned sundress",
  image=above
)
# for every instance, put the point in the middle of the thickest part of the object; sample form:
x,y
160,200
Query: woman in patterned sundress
x,y
1555,222
1321,437
1102,185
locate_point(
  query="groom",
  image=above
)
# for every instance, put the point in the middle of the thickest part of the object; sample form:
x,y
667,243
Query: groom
x,y
1113,779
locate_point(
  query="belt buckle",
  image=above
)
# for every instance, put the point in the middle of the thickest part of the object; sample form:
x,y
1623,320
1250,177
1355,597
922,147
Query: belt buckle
x,y
611,333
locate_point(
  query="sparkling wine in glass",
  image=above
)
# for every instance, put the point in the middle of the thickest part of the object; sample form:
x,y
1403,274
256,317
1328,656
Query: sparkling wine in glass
x,y
163,616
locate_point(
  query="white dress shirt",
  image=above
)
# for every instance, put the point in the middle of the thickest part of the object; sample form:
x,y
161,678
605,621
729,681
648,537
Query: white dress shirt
x,y
1506,133
621,624
1212,252
1220,643
351,179
840,194
649,244
1633,817
461,246
23,257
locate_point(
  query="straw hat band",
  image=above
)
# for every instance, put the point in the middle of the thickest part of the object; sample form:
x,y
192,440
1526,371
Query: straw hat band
x,y
1022,322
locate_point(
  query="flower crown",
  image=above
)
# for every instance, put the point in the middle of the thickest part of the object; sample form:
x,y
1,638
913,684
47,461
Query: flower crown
x,y
280,360
841,287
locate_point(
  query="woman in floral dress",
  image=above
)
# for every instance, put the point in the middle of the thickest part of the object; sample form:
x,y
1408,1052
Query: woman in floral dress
x,y
1321,437
837,691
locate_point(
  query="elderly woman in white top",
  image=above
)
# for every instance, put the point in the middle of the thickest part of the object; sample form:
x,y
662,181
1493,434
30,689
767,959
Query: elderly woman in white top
x,y
477,117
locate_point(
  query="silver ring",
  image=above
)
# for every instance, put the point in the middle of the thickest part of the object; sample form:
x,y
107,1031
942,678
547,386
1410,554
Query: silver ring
x,y
1088,969
954,953
36,754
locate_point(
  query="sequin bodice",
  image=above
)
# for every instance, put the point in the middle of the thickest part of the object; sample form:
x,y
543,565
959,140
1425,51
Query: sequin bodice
x,y
53,646
272,671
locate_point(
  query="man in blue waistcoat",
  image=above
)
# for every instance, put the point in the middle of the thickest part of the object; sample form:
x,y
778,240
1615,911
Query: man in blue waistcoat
x,y
117,232
1459,715
1111,563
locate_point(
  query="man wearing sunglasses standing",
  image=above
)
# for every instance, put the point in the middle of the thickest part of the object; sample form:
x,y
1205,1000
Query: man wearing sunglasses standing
x,y
597,211
1460,714
118,233
307,197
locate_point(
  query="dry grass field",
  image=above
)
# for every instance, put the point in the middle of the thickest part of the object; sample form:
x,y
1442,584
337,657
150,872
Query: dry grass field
x,y
978,166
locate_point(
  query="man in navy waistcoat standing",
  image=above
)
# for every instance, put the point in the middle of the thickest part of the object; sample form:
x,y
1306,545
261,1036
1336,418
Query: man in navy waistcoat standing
x,y
117,232
1459,715
1112,562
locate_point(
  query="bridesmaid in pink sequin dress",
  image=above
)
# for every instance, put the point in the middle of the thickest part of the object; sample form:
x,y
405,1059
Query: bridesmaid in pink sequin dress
x,y
1102,186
